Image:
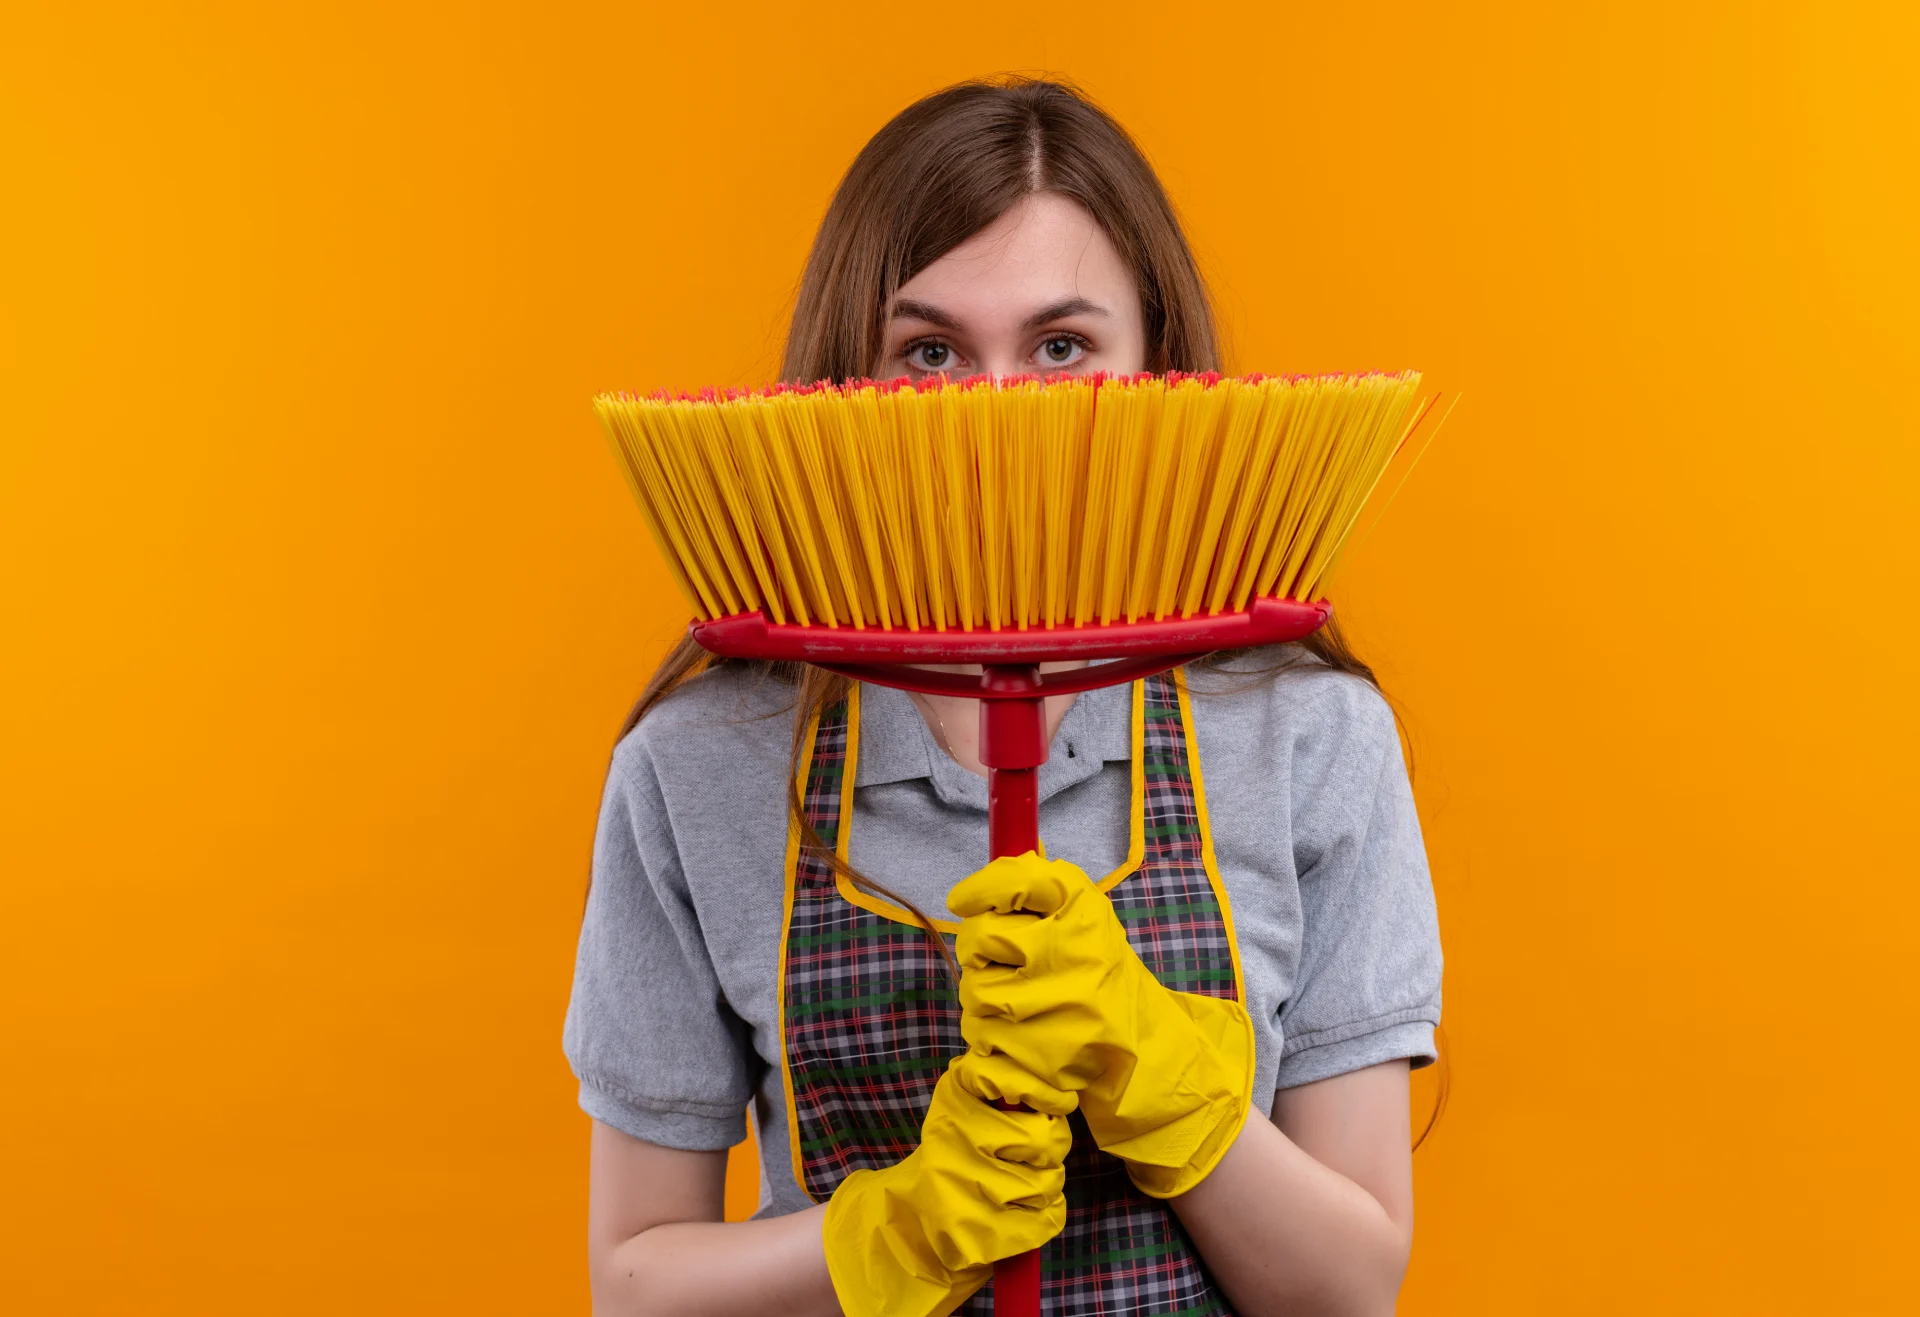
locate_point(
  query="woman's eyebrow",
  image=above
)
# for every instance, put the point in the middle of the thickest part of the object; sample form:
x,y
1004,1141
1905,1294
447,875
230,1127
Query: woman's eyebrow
x,y
1072,306
908,309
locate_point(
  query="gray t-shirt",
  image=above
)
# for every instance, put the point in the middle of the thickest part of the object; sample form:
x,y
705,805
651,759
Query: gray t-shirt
x,y
674,1027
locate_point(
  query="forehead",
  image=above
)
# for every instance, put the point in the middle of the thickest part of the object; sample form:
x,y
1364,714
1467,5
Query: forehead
x,y
1047,248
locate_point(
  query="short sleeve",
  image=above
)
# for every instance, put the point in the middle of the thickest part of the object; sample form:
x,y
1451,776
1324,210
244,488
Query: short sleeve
x,y
658,1051
1368,984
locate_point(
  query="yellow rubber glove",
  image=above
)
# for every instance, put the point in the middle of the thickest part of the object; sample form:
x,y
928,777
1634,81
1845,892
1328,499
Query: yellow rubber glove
x,y
1049,981
917,1238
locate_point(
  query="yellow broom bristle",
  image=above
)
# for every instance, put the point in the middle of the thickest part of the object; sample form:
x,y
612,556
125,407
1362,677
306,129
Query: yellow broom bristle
x,y
1008,504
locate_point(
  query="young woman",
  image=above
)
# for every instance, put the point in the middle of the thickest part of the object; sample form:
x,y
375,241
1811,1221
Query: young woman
x,y
1207,999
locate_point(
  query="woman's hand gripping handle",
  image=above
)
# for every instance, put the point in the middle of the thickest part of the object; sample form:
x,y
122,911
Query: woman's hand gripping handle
x,y
1050,983
916,1239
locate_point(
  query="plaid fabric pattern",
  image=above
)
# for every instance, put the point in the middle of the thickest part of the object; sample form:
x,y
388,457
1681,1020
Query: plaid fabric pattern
x,y
1168,906
871,1021
871,1018
1121,1251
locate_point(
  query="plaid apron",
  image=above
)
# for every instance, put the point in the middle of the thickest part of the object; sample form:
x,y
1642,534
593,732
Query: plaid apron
x,y
869,1019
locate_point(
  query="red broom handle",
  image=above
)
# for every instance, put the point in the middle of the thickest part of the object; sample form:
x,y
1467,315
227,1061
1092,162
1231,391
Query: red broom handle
x,y
1013,745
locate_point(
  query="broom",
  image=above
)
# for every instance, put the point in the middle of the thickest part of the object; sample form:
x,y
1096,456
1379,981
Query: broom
x,y
1143,519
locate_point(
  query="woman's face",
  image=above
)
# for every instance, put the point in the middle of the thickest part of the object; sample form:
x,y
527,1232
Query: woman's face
x,y
1040,290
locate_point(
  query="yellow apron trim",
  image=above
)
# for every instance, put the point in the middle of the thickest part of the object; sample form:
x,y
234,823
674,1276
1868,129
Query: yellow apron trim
x,y
1206,830
848,892
1136,854
786,932
1136,827
867,901
1137,796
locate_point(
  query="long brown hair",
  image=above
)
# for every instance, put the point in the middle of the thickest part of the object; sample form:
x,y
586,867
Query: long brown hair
x,y
940,171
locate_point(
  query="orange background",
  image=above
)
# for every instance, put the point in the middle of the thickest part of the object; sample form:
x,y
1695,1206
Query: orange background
x,y
323,598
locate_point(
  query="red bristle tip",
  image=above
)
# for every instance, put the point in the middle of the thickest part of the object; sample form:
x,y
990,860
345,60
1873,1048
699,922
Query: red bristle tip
x,y
935,384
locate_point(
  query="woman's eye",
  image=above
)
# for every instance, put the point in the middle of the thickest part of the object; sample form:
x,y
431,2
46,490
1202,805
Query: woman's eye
x,y
930,356
1062,350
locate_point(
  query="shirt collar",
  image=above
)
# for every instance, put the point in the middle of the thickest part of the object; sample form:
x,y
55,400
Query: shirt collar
x,y
896,745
